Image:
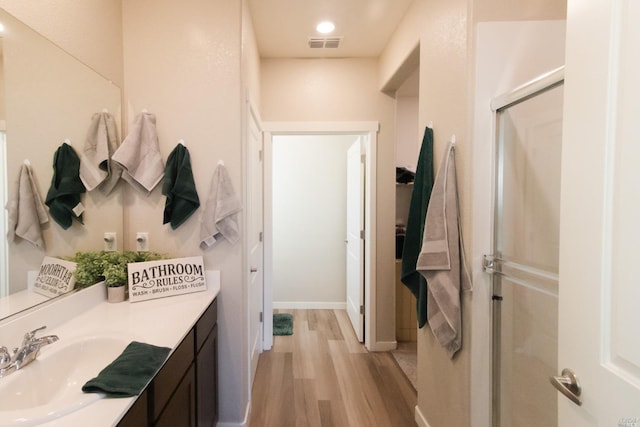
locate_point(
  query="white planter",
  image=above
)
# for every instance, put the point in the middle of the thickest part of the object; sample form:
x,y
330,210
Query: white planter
x,y
116,293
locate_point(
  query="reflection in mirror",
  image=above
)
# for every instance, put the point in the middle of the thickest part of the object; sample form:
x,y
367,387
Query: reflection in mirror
x,y
46,97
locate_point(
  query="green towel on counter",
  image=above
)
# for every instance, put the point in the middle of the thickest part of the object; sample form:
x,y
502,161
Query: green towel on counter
x,y
63,197
420,196
130,372
179,187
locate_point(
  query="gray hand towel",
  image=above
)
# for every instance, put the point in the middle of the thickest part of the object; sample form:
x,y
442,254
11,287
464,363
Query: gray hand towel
x,y
26,210
96,167
441,260
220,213
139,154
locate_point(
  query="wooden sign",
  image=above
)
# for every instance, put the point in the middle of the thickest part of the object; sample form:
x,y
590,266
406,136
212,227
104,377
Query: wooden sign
x,y
55,277
166,277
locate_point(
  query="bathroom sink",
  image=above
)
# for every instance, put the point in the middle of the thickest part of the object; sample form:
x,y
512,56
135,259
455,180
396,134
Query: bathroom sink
x,y
51,386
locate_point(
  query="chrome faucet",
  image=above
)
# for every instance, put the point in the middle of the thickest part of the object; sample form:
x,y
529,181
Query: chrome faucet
x,y
24,355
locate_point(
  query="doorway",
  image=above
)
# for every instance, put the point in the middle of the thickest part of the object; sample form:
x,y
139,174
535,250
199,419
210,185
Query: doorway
x,y
347,132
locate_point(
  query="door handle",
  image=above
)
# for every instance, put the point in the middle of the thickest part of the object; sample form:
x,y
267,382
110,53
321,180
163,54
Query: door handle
x,y
568,385
254,269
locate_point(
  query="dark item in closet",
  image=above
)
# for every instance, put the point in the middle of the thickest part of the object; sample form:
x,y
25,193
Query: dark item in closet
x,y
399,244
404,175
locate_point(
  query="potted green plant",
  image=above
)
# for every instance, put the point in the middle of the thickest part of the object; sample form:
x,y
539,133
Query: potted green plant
x,y
115,277
110,267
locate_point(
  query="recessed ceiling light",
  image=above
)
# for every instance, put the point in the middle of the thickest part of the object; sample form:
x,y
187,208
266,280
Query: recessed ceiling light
x,y
325,27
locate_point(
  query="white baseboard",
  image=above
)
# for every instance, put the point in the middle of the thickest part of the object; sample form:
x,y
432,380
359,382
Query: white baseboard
x,y
309,305
384,345
419,418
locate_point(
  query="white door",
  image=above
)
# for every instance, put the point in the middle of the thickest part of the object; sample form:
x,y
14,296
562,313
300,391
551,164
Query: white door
x,y
254,236
599,304
355,240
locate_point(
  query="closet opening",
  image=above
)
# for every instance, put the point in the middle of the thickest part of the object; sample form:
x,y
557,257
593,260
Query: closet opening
x,y
408,138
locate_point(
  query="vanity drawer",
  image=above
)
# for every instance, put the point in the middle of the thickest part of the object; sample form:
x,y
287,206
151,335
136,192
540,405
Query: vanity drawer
x,y
171,374
206,323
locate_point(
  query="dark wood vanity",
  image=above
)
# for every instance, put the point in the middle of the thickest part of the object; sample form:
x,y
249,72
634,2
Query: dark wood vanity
x,y
185,390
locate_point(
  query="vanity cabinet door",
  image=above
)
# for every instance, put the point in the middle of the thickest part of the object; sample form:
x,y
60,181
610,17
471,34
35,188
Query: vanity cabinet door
x,y
138,414
180,410
207,373
166,381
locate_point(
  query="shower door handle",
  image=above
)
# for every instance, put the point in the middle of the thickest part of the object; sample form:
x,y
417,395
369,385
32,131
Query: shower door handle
x,y
568,385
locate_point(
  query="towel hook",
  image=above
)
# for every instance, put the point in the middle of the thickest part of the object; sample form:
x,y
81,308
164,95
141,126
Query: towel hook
x,y
430,124
27,162
453,140
221,162
181,141
144,110
105,110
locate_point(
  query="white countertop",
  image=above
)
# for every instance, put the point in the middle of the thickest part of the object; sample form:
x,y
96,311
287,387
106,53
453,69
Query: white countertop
x,y
20,301
162,322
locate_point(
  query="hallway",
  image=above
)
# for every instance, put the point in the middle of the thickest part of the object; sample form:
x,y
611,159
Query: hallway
x,y
322,376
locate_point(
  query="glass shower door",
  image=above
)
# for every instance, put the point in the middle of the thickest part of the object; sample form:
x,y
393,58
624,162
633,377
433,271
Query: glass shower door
x,y
525,259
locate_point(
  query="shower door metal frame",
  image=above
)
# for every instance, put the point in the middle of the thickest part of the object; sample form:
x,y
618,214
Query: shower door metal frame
x,y
493,264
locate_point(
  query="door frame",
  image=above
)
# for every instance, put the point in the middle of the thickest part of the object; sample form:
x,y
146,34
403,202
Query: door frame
x,y
370,131
4,245
251,112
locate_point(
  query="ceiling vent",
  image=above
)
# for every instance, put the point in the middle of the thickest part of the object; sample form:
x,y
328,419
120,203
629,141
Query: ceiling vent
x,y
325,42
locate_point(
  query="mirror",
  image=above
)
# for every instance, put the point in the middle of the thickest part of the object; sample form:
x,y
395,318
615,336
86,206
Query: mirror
x,y
46,97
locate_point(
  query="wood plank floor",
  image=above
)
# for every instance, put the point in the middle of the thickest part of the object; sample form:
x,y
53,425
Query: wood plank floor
x,y
322,376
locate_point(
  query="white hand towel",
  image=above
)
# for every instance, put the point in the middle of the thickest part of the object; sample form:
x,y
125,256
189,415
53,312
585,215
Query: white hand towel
x,y
441,260
139,154
96,167
26,210
221,211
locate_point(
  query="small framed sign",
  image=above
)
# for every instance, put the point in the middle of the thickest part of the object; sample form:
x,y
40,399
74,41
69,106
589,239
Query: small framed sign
x,y
55,277
166,277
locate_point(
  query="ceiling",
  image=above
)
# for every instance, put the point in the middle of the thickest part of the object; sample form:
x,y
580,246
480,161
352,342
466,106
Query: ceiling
x,y
283,27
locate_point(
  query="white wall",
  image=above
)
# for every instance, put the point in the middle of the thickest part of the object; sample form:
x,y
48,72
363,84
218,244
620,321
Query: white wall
x,y
309,220
408,140
182,61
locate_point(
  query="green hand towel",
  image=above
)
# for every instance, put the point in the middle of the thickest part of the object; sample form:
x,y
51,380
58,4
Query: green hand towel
x,y
179,187
420,196
63,197
128,374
